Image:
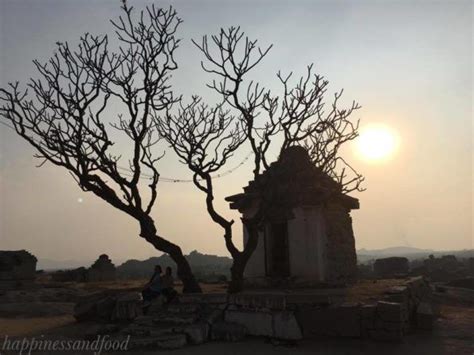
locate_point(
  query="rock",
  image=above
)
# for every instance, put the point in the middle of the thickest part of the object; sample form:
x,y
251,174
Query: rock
x,y
257,323
98,306
17,269
165,341
137,330
105,307
127,307
212,316
259,301
190,298
145,330
174,341
156,305
143,320
100,329
183,308
389,322
176,318
102,270
424,316
196,333
215,298
228,331
285,326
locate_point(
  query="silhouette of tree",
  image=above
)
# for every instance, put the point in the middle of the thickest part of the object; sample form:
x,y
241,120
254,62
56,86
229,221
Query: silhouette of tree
x,y
62,114
206,137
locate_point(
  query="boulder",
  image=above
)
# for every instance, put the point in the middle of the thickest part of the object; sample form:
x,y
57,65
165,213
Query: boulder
x,y
257,323
98,306
196,333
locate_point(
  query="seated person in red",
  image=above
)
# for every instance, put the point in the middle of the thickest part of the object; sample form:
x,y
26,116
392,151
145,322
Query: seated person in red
x,y
153,288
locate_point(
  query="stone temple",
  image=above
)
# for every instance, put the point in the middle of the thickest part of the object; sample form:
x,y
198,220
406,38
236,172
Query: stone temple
x,y
307,237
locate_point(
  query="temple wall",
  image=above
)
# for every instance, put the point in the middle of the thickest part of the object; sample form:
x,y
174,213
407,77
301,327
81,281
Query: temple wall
x,y
341,253
306,237
321,247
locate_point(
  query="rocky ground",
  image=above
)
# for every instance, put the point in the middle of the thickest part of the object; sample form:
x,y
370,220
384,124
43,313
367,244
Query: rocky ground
x,y
47,313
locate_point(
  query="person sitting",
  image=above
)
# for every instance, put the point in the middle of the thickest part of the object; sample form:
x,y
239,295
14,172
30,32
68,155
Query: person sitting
x,y
153,288
167,284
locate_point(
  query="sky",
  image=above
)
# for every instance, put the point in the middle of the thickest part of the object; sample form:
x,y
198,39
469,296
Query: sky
x,y
408,63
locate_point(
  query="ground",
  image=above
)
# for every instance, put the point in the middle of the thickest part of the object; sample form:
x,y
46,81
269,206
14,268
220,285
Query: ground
x,y
47,313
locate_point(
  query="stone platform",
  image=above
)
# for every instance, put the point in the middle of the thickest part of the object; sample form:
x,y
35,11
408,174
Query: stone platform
x,y
385,314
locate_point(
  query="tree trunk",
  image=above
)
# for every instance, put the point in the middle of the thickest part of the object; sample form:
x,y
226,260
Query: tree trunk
x,y
240,259
185,274
237,274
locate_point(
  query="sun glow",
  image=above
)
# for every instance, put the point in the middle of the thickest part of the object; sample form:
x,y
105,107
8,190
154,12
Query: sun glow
x,y
377,143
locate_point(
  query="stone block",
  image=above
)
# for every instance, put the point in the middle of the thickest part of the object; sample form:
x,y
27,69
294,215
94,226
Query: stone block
x,y
212,315
424,316
127,307
190,298
398,294
257,323
277,302
308,299
367,318
228,331
341,321
215,298
285,326
98,306
175,318
183,308
389,311
156,305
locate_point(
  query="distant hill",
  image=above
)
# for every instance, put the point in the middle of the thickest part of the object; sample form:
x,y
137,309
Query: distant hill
x,y
392,251
50,265
205,267
364,255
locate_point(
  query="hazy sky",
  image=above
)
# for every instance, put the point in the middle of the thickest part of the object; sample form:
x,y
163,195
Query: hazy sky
x,y
409,63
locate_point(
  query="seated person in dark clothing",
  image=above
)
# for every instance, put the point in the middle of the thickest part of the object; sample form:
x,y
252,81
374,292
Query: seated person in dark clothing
x,y
153,288
167,284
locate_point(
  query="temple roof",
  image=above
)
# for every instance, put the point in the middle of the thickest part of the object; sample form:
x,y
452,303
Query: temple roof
x,y
293,180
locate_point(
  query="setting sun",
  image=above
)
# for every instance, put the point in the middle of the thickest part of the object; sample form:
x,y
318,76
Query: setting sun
x,y
377,143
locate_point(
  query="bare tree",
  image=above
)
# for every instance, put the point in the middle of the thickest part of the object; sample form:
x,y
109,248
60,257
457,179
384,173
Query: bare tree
x,y
206,138
63,115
